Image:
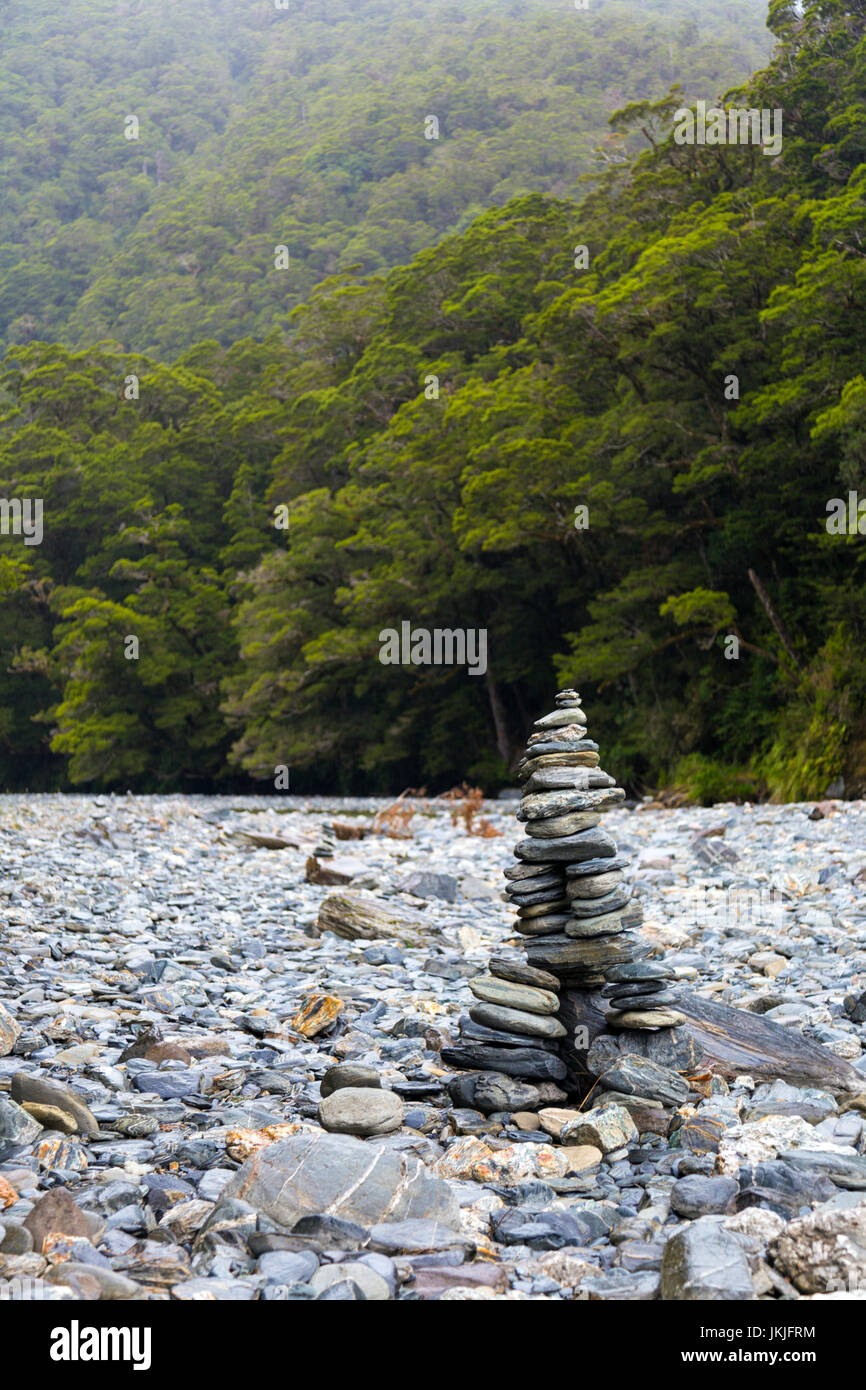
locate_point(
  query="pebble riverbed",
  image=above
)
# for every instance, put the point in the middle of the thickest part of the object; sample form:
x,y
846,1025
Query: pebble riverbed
x,y
199,1168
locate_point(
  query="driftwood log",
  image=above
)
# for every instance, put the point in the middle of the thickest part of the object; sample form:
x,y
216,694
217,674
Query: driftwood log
x,y
715,1038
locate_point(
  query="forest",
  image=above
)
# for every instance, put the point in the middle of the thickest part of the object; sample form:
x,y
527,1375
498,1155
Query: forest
x,y
554,375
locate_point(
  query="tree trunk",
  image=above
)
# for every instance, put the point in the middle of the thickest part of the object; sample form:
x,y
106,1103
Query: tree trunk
x,y
497,709
774,618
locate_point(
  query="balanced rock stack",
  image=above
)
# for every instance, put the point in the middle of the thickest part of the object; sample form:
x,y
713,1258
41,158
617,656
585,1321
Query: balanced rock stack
x,y
574,909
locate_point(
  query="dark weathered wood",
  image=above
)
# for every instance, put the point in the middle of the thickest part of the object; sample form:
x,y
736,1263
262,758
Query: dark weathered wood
x,y
729,1042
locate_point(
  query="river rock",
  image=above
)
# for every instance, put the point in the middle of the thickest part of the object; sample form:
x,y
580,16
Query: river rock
x,y
311,1173
351,1074
585,905
671,1049
695,1195
424,883
502,992
513,1061
551,805
357,916
10,1031
607,1127
560,826
570,849
704,1262
583,962
26,1088
372,1286
823,1252
595,886
508,968
56,1212
638,1076
361,1110
494,1092
51,1117
17,1128
516,1021
646,1018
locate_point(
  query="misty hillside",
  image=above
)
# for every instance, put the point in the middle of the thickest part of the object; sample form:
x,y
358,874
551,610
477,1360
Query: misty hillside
x,y
304,127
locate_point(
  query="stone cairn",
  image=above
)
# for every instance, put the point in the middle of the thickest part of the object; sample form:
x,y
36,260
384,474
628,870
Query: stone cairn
x,y
574,910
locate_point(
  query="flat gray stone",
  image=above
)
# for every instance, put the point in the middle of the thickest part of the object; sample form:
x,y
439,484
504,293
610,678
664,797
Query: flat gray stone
x,y
513,996
570,849
308,1174
695,1195
704,1262
516,1021
638,1076
508,968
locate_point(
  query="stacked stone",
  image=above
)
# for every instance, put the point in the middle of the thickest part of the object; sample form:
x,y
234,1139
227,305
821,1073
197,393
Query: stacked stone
x,y
565,794
574,911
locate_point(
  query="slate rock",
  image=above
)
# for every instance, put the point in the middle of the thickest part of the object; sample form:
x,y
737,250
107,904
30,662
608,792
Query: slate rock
x,y
311,1173
572,849
50,1117
509,968
695,1195
417,1238
17,1128
166,1190
661,1017
704,1262
426,884
528,1062
845,1170
168,1085
780,1187
513,996
472,1032
620,1286
584,961
342,1290
638,1076
358,916
542,1230
15,1240
111,1286
516,1021
672,1048
617,898
329,1232
639,970
495,1092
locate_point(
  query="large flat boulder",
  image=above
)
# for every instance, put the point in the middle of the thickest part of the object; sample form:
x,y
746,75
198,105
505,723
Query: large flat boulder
x,y
309,1174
